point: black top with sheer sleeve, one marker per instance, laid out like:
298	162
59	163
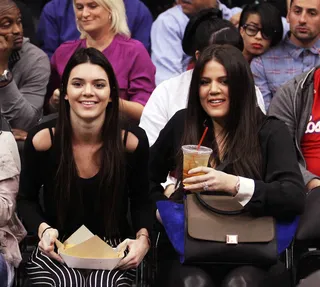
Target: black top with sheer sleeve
280	193
40	169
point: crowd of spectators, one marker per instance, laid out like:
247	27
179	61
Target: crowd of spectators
124	79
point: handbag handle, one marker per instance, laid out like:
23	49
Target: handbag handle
220	167
215	210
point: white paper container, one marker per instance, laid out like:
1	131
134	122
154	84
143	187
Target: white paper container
89	251
90	263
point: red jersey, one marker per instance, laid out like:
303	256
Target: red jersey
310	142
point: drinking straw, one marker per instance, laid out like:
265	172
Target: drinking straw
202	138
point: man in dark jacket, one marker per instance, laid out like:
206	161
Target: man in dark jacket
297	103
24	73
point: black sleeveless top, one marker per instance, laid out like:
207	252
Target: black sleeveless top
40	169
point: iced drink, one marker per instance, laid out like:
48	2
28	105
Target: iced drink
193	158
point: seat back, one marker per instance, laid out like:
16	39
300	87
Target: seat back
306	247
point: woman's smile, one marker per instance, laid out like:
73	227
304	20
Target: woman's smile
88	104
216	102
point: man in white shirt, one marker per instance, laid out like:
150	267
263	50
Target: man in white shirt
167	32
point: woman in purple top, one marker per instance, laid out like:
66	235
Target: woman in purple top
103	25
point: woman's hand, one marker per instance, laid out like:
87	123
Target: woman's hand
47	239
138	249
55	99
211	180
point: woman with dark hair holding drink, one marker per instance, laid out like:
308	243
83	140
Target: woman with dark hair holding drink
261	169
89	165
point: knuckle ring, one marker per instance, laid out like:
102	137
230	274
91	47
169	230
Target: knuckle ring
205	186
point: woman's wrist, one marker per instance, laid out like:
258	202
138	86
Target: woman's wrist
42	227
44	231
145	238
143	234
233	184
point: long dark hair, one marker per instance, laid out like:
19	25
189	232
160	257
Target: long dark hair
241	147
199	29
228	35
111	153
204	29
270	20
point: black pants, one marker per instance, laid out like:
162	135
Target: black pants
171	273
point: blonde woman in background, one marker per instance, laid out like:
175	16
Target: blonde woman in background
103	26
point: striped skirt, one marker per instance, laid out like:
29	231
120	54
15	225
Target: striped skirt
43	271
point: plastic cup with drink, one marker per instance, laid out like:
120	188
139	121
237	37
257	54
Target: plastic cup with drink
194	156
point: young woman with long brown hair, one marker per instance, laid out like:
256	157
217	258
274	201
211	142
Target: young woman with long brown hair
260	165
90	166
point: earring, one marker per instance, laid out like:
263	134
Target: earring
109	16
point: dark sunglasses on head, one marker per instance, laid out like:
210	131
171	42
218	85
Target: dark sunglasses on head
252	30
